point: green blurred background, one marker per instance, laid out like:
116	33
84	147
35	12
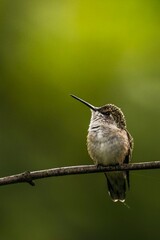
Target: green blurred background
104	52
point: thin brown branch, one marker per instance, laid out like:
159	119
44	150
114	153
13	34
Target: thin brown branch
72	170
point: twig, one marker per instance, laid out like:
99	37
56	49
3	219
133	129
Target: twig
71	170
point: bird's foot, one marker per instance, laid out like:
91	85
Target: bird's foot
99	166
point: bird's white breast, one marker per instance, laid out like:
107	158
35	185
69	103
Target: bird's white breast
107	146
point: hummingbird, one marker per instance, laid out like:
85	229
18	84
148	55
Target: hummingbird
110	143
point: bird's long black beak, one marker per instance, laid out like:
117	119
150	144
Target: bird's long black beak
84	102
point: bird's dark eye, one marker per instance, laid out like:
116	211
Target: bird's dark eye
106	113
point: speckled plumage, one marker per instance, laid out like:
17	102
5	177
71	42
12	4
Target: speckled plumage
109	143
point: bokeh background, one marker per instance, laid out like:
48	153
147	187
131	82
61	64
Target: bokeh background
104	52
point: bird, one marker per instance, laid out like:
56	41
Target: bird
109	143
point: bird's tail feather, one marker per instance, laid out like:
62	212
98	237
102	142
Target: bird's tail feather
116	182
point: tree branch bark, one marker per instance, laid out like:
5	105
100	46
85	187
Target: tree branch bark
72	170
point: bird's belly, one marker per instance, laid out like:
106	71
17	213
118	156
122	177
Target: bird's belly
106	150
